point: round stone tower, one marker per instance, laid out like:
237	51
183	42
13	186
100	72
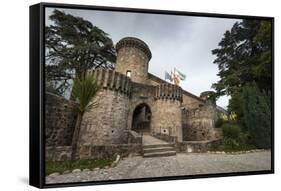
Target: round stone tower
133	56
105	123
167	114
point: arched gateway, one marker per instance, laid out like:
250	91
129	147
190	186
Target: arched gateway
141	118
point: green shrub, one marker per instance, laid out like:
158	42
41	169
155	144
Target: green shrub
244	137
231	131
219	123
231	142
232	145
234	139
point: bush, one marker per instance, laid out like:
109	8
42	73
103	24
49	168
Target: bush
232	145
234	138
231	131
219	123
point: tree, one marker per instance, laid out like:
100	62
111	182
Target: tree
73	46
263	68
244	61
257	115
50	87
235	105
83	91
244	56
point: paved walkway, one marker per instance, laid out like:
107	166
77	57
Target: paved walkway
181	164
150	140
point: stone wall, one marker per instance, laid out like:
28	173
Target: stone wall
190	101
154	80
198	124
60	119
134	137
58	153
197	146
165	137
109	151
63	153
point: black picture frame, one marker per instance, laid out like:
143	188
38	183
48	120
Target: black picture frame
37	97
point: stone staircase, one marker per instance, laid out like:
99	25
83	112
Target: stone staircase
159	150
153	147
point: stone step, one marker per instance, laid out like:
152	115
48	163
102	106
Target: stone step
160	154
159	145
158	149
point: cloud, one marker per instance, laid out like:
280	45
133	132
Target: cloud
184	42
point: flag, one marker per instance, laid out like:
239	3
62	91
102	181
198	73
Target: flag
179	74
168	76
175	79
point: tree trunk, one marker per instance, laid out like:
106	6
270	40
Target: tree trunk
76	135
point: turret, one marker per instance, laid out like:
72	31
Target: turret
208	96
105	122
133	56
167	118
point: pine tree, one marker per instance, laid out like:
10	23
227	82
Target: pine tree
244	56
73	46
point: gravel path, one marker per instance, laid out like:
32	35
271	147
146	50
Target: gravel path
181	164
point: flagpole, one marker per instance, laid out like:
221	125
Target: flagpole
174	76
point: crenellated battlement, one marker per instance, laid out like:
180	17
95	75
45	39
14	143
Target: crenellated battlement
109	79
134	43
168	91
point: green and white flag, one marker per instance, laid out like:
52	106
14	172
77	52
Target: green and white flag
180	75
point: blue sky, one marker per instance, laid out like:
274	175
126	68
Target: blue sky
184	42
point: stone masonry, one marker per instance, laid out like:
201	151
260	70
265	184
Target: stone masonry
133	56
199	124
167	121
60	120
132	101
173	114
106	122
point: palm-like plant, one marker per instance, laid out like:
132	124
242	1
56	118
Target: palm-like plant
83	91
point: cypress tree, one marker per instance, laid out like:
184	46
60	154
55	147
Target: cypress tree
257	115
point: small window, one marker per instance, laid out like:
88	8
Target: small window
128	73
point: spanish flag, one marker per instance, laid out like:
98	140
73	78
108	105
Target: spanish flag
175	79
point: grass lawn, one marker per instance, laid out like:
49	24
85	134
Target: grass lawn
61	166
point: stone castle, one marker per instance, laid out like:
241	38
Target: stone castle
131	103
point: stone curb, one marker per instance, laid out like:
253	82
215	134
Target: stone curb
116	161
237	152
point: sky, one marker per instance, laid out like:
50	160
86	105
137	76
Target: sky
182	42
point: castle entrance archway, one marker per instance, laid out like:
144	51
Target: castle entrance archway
141	118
